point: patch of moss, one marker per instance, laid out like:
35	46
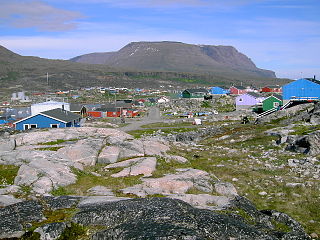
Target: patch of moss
8	174
73	232
48	149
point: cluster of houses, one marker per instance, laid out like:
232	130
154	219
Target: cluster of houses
52	114
267	98
55	114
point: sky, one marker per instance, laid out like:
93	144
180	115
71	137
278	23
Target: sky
279	35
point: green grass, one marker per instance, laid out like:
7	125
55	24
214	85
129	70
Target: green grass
7	174
48	149
304	130
58	141
142	132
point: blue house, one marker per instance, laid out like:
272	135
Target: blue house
304	89
219	90
55	118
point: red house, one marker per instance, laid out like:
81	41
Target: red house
274	89
113	112
237	90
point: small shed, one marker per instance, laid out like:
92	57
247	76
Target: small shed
55	118
274	101
194	93
219	91
245	101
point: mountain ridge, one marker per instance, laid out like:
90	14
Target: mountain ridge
178	57
30	73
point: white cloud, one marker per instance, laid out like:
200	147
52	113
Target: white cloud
37	14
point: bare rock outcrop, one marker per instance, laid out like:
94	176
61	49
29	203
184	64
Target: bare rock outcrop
133	167
178	183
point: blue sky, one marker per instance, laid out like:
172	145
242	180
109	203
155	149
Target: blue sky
280	35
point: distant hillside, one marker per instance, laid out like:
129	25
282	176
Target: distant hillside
179	57
29	73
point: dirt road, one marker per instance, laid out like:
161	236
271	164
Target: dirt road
152	116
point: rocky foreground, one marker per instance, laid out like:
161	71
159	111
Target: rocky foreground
144	218
186	203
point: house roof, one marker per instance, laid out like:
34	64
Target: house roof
312	80
277	96
57	114
272	86
253	94
197	90
239	87
75	107
119	104
106	109
60	114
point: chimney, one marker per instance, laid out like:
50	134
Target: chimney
62	106
314	77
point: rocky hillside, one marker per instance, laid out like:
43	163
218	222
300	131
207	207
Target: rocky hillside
178	57
100	183
222	180
29	73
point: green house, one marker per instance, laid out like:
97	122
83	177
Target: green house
274	101
194	93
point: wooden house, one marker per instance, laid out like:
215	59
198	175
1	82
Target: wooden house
272	89
195	93
55	118
304	89
219	91
274	101
247	100
237	90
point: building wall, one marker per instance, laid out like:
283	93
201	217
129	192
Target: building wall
246	100
186	94
301	88
45	106
237	91
218	90
41	121
268	103
95	114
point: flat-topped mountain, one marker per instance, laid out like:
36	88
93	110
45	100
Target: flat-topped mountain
178	57
140	64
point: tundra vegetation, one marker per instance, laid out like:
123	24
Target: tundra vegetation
244	154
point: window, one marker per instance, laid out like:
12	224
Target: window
54	125
33	125
276	104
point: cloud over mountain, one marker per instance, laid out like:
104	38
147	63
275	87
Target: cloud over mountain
37	14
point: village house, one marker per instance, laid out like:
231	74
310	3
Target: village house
247	100
272	89
45	106
195	93
54	118
78	109
219	91
237	90
274	101
304	89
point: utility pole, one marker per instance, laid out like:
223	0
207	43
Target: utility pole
48	79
